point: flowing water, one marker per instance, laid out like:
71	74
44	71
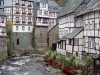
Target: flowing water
24	65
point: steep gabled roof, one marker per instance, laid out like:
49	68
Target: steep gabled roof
2	13
52	3
69	7
53	6
75	32
93	5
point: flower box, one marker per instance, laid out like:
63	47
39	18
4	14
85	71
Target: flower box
29	13
17	4
29	5
17	21
23	4
29	22
17	12
23	13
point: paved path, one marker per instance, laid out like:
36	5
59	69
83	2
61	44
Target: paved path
23	65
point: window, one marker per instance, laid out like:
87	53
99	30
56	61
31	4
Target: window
46	13
17	9
40	12
29	19
17	41
17	18
28	28
29	10
45	21
38	4
70	42
55	8
23	10
76	42
89	42
93	43
17	28
44	5
23	28
23	19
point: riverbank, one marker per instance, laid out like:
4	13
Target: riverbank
27	64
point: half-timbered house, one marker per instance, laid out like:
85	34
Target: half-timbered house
21	14
42	22
70	37
53	26
3	36
89	19
53	11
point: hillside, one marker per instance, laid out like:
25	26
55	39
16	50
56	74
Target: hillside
61	2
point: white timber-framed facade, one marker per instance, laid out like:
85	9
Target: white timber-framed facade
20	12
70	36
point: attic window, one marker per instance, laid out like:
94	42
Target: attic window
55	8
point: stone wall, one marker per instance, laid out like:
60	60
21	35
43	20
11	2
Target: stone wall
53	35
41	37
3	47
22	40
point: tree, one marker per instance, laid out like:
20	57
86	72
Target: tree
9	33
33	39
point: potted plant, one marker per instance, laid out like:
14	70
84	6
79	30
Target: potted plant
89	62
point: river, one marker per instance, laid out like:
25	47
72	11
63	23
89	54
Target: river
24	65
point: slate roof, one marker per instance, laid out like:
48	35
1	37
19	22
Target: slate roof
41	1
53	6
75	32
52	3
93	5
2	13
69	7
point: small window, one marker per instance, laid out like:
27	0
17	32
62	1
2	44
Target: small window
70	42
17	28
23	28
17	41
23	10
17	9
77	54
28	28
76	42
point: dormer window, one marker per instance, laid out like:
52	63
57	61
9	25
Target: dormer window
38	4
55	8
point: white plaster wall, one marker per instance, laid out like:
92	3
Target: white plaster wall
20	29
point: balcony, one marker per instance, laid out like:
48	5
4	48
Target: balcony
29	13
23	12
17	12
29	22
30	5
17	3
23	4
